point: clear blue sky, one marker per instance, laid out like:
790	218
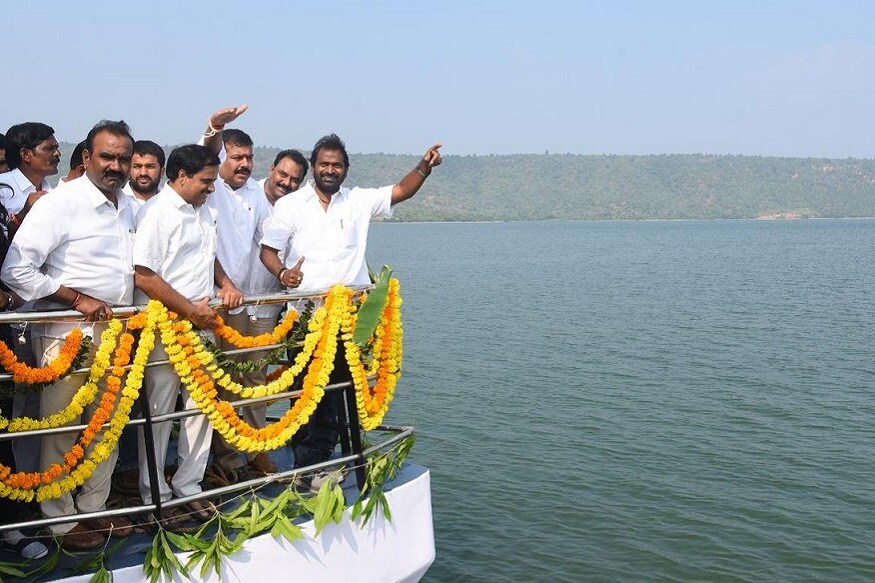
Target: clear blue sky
614	77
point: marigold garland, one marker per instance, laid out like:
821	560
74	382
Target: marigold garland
385	360
197	368
83	397
232	336
78	466
188	356
22	373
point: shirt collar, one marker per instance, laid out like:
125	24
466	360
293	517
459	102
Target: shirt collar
21	180
175	197
310	192
97	198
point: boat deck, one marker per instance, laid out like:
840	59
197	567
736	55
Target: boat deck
349	544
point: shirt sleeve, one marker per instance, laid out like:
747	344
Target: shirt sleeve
378	201
280	228
262	221
150	244
38	236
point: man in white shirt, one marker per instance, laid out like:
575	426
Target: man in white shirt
147	165
285	176
32	154
242	212
324	227
175	262
74	250
77	167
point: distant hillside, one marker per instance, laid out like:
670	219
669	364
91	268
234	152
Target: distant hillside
671	186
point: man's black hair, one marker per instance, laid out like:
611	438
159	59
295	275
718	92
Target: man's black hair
295	156
190	159
150	148
27	135
116	128
329	142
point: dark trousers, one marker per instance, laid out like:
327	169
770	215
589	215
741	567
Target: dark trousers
315	442
10	510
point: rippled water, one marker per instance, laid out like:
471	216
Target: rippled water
642	401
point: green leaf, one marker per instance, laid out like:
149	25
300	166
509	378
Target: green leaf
253	518
179	541
339	504
171	558
196	543
385	503
8	569
100	576
372	308
356	509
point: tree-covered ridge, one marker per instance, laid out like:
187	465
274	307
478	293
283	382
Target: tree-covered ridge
545	187
587	187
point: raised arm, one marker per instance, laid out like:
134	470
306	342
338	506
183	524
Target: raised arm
217	122
414	180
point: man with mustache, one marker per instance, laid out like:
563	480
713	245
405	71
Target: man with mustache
175	263
324	226
285	175
147	165
75	251
242	211
32	154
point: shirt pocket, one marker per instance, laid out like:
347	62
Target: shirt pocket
347	233
210	240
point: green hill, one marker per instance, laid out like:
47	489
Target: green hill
578	187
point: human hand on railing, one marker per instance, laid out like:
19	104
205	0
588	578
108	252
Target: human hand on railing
202	316
231	296
93	309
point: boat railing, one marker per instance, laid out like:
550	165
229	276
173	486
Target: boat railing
353	453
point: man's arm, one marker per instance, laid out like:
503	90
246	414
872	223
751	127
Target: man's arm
229	294
92	308
414	180
198	313
217	122
289	277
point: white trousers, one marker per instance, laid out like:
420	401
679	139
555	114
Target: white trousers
193	449
226	455
94	492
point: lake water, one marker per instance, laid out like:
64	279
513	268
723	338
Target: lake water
672	401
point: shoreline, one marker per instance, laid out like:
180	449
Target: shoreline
758	219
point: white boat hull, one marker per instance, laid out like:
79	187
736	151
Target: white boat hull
381	552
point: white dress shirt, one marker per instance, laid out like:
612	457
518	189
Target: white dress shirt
241	215
262	281
178	242
21	189
73	236
137	203
332	241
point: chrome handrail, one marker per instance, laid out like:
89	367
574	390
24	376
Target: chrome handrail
401	432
